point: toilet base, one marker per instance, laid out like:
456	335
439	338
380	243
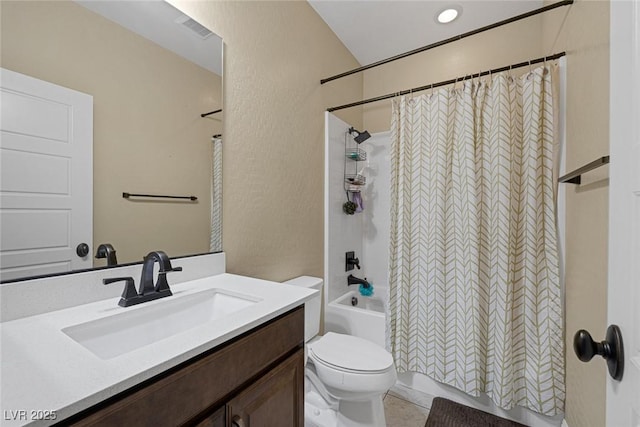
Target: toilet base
367	413
319	417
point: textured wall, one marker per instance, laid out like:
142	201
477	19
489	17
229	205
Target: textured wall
275	54
148	135
584	34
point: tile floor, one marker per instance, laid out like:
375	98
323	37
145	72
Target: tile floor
405	407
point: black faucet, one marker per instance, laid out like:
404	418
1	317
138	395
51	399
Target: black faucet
353	280
106	250
148	291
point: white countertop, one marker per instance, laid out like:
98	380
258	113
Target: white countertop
44	371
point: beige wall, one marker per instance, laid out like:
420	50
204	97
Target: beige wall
499	47
583	32
148	135
585	37
275	55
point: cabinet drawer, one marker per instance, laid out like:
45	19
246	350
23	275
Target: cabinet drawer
198	385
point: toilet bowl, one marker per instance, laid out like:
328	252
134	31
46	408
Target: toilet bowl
345	376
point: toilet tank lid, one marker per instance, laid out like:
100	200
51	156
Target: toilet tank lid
350	352
306	282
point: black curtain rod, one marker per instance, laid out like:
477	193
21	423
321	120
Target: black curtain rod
448	82
449	40
210	113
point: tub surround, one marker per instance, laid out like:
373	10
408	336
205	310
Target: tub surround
365	233
44	369
343	233
365	320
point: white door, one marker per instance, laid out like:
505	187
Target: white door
46	177
623	397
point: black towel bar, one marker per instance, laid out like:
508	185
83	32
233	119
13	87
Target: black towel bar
127	195
574	177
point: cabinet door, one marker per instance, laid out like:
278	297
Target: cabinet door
277	399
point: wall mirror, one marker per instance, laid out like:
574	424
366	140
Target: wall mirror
150	72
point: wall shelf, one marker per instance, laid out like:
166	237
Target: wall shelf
575	176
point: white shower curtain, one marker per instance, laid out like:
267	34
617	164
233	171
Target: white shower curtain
215	241
474	282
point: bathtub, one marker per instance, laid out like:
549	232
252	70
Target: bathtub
366	319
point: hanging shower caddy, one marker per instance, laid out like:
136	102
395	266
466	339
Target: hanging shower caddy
354	181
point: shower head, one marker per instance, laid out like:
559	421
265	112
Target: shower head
359	137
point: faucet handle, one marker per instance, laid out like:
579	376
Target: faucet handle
129	290
162	285
351	261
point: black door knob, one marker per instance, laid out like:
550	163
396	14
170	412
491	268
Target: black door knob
82	250
611	349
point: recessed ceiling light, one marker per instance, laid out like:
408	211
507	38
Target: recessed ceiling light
448	15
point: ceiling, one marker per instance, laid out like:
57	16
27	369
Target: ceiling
158	21
373	30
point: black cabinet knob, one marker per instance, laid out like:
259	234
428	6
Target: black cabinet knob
611	349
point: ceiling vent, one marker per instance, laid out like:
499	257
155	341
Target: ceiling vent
195	27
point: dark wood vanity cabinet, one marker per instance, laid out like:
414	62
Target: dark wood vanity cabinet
255	380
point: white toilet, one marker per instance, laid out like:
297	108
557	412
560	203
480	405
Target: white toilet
345	376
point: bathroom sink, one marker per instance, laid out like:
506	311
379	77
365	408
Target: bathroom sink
132	329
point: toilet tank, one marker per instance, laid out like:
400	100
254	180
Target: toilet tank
311	307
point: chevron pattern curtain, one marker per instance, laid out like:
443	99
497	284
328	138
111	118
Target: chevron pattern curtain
474	277
215	239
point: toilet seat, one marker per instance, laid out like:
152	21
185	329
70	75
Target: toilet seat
350	354
351	367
